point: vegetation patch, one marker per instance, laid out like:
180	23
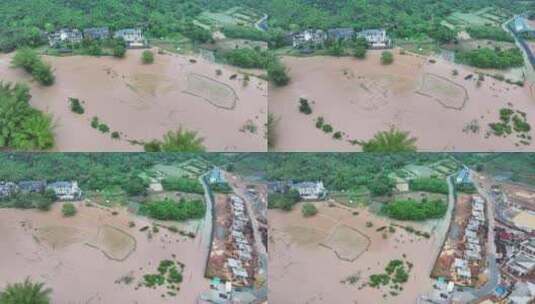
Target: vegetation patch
304	106
30	61
169	274
396	273
168	209
412	210
512	122
182	184
284	201
76	105
487	58
430	184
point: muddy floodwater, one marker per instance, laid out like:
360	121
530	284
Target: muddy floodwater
84	258
421	95
143	102
322	251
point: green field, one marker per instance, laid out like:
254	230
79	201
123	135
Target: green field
486	16
233	16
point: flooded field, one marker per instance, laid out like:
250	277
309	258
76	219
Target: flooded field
445	112
143	102
333	254
97	250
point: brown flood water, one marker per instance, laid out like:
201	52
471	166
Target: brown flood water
143	102
298	253
362	97
65	254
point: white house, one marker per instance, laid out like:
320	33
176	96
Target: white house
66	191
133	37
310	190
376	38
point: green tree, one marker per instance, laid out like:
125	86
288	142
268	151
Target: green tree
387	57
278	74
390	141
309	210
147	57
271	126
135	185
26	292
68	210
360	52
119	51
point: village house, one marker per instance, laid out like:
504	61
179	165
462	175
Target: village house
341	34
402	185
64	36
66	191
310	190
521	265
309	38
463	177
523	293
376	38
528	246
7	189
521	25
133	37
32	186
278	187
216	176
97	33
462	270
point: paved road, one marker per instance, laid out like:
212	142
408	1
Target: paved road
442	228
206	227
529	69
257	24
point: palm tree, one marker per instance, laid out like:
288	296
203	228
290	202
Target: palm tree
25	293
392	140
182	141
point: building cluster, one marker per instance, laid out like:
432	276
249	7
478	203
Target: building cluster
471	258
241	258
307	190
133	37
64	190
376	38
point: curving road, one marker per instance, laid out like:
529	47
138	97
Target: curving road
206	226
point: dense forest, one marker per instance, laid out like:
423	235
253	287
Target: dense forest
23	21
346	171
96	171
